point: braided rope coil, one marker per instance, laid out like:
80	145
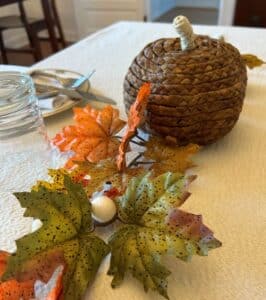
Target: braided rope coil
196	95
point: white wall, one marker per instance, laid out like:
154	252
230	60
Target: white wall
17	38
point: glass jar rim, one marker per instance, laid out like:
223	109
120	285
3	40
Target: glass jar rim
19	111
22	81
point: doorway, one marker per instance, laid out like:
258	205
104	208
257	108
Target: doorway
198	11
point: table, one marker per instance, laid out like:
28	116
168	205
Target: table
230	191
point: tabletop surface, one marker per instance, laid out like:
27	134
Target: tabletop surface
230	191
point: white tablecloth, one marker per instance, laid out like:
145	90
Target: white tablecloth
230	191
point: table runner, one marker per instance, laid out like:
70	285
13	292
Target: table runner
230	191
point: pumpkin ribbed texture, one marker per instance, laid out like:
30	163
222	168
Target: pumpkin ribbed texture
196	95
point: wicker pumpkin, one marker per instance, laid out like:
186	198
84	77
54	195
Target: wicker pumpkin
198	86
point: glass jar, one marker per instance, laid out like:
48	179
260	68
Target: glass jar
25	153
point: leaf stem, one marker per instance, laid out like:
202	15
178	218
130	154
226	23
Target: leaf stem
133	162
144	162
137	143
132	141
140	138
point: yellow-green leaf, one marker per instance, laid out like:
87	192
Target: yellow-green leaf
154	226
169	158
57	182
106	170
66	228
252	61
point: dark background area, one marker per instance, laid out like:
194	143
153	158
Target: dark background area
251	13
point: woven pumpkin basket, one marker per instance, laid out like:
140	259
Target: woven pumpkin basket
198	86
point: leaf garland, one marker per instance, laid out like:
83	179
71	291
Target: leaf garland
93	136
99	173
252	61
137	247
148	206
104	171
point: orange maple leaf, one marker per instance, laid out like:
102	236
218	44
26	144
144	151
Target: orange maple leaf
12	289
136	117
16	290
92	138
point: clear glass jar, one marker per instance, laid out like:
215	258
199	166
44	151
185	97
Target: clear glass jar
25	153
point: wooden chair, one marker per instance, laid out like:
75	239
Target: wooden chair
32	27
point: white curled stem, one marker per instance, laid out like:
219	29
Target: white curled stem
185	31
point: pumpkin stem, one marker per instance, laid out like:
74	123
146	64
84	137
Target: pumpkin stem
184	29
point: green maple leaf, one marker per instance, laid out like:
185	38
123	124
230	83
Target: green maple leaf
155	227
67	229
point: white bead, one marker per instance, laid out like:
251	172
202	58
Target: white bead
103	209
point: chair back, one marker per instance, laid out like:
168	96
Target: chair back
8	2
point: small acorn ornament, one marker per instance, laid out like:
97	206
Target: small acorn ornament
198	86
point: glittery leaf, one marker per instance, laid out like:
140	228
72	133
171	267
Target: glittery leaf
168	157
147	207
252	61
66	229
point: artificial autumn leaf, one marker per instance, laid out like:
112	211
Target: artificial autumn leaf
252	61
138	246
99	173
53	288
12	289
57	182
58	177
167	157
66	232
15	290
105	170
136	117
93	136
190	226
